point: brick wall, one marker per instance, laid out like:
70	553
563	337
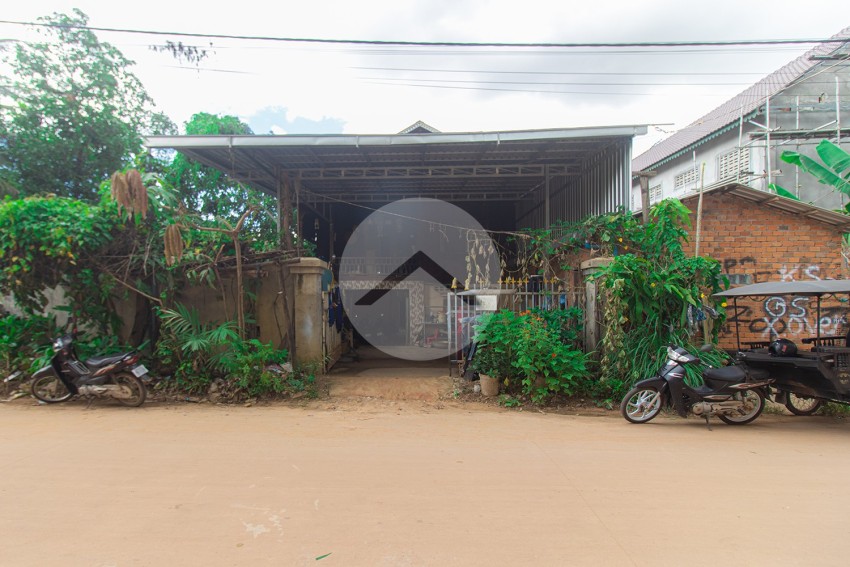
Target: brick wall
757	243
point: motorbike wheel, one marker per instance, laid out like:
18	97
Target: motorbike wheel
802	405
134	385
641	405
50	389
753	396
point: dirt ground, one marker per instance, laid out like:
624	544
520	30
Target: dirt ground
365	481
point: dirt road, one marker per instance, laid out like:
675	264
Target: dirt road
388	483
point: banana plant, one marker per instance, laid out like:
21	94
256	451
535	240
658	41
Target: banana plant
834	171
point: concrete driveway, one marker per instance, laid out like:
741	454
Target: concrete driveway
414	483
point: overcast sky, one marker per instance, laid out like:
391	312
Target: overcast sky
301	88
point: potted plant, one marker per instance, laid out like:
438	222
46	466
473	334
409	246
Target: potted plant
489	366
492	359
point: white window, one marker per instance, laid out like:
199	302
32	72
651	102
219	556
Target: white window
685	179
655	194
734	164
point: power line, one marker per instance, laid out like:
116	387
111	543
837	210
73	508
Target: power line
717	43
505	72
551	83
609	93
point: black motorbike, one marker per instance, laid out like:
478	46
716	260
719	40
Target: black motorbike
119	376
729	392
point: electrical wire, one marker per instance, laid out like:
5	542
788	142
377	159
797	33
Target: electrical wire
524	72
399	43
550	91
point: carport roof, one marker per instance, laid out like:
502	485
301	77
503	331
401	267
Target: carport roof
453	166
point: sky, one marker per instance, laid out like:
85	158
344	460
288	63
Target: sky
297	88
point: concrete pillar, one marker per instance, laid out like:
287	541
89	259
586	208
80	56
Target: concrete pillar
592	329
309	307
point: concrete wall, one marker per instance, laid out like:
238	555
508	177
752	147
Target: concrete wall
288	302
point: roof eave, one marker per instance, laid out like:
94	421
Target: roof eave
357	140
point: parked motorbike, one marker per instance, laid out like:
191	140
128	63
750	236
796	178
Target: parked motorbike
729	393
119	376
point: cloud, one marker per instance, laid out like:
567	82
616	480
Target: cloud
279	120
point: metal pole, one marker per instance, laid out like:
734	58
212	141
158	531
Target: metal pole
737	330
797	169
767	150
818	325
838	112
298	214
548	221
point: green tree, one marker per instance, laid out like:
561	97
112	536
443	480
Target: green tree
210	193
78	112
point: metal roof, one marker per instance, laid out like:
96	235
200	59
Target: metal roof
814	287
727	115
452	166
839	221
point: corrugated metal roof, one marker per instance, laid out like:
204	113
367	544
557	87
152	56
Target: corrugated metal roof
746	103
839	221
505	164
822	287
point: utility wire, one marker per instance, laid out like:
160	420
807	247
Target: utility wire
549	91
551	83
737	42
503	72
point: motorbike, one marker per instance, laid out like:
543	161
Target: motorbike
731	393
119	376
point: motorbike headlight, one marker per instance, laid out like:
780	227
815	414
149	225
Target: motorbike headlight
57	345
675	356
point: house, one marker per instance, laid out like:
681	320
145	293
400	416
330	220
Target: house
741	141
505	180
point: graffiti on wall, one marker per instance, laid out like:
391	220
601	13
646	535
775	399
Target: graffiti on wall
785	316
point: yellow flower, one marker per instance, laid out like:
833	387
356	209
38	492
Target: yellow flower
652	284
620	239
724	304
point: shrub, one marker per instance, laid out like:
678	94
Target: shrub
529	350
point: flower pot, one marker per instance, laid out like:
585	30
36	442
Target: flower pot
489	385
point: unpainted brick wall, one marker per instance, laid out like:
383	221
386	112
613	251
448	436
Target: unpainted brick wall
757	243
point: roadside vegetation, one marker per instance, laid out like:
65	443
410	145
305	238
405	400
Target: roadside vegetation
653	295
88	211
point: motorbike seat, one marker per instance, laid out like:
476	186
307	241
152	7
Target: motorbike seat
101	361
724	374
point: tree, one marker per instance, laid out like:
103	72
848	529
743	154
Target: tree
78	112
213	195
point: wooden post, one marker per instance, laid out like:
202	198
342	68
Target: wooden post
699	210
643	177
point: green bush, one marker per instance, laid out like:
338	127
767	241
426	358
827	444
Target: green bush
199	354
529	350
25	342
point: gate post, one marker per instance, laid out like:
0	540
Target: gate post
592	328
309	310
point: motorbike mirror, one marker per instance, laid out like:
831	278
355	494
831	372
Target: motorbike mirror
707	347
